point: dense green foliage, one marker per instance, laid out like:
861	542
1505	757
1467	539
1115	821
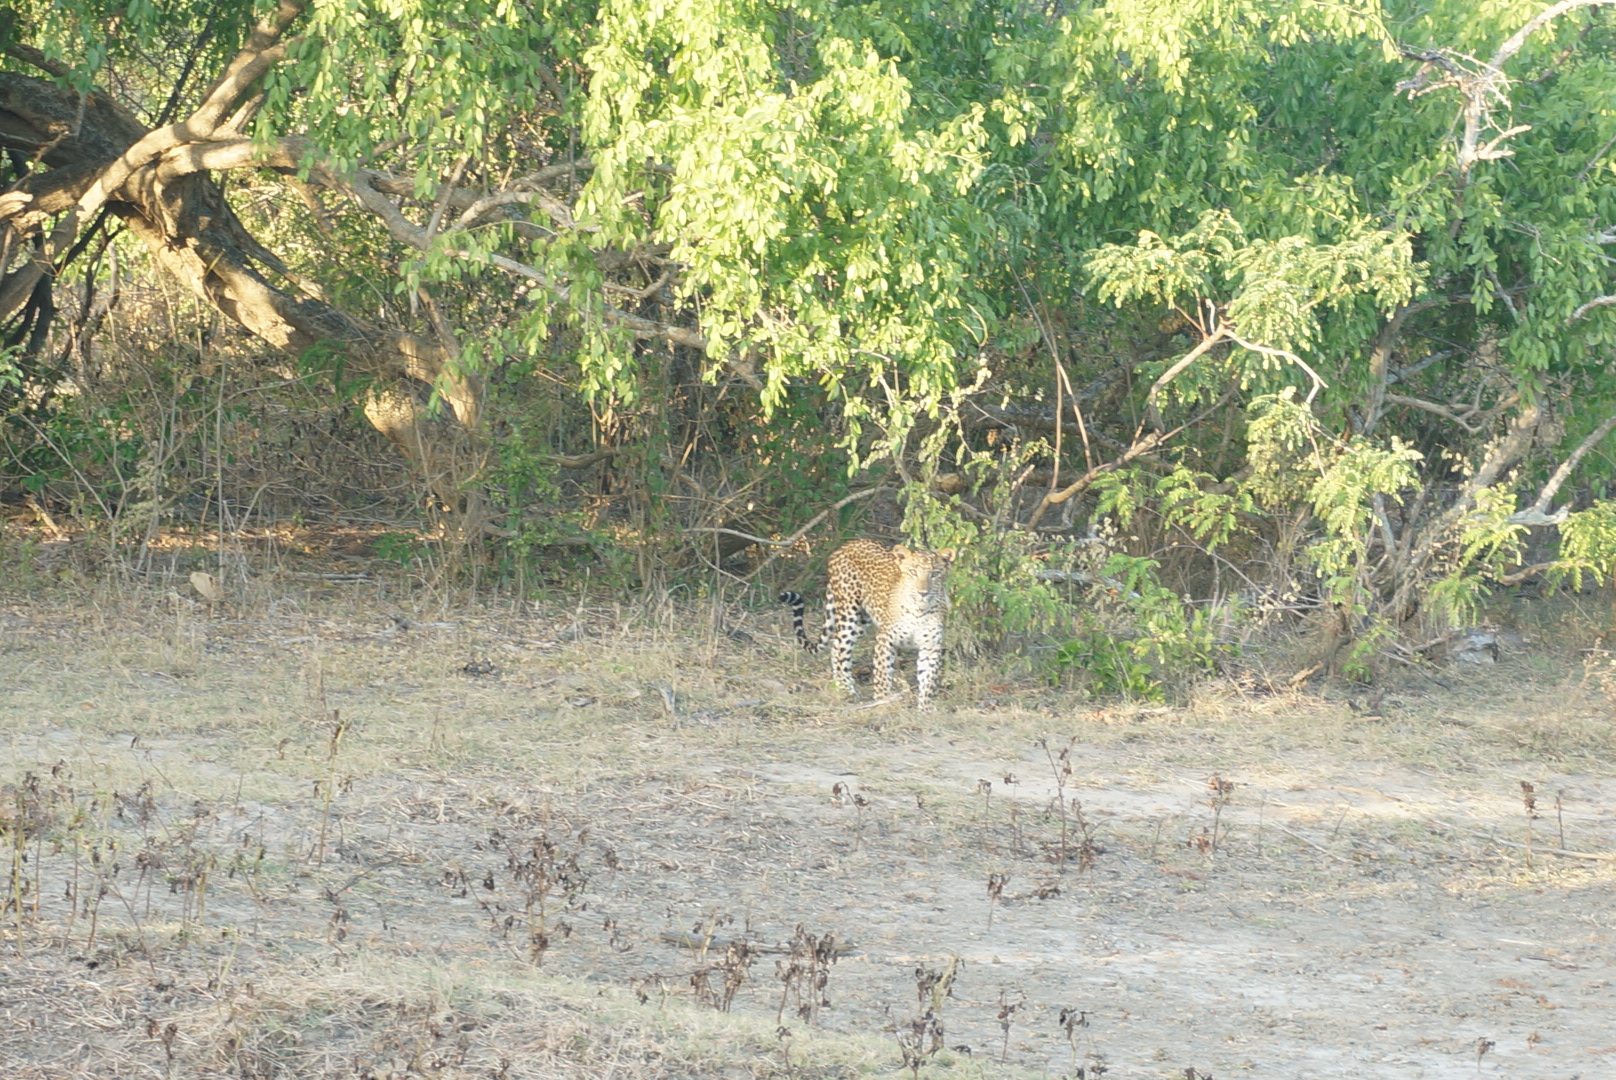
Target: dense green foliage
1262	297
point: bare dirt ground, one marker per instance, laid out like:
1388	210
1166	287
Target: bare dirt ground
295	836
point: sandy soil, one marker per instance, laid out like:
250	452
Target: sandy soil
1361	902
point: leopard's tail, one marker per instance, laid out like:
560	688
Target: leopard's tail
798	604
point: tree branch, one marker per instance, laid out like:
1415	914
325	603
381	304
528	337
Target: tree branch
1432	407
1221	334
1318	383
1596	302
368	189
1380	373
1055	498
1486	81
1513	44
1510	449
412	235
1139	448
1538	512
263	50
791	541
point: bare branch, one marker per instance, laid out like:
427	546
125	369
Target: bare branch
1055	498
443	198
262	51
414	236
792	540
555	208
459	200
223	155
368	190
1483	82
1586	169
1221	334
1596	302
1504	454
1439	410
1492	151
1380	373
1140	447
1403	374
1318	383
37	58
1541	506
1515	577
523	190
1513	45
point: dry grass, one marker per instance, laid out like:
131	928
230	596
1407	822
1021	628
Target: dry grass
325	828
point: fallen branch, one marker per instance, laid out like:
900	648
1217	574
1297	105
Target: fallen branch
1510	843
1310	843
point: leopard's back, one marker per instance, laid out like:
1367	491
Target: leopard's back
867	574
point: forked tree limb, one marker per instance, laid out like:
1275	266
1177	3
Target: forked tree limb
101	158
369	190
1286	354
1485	83
1141	445
1144	444
1417	552
1223	332
1380	374
263	50
365	192
1434	408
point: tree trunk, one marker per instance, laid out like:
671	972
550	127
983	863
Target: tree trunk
91	157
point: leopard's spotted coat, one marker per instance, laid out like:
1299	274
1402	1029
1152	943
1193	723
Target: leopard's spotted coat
903	592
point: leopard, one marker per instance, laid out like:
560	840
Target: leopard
904	593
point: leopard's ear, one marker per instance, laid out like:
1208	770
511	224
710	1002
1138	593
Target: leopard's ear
946	555
900	551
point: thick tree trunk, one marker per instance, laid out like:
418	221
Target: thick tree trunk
89	156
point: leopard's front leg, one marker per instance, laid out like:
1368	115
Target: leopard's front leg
884	660
926	667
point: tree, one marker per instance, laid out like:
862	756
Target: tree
1233	264
319	94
